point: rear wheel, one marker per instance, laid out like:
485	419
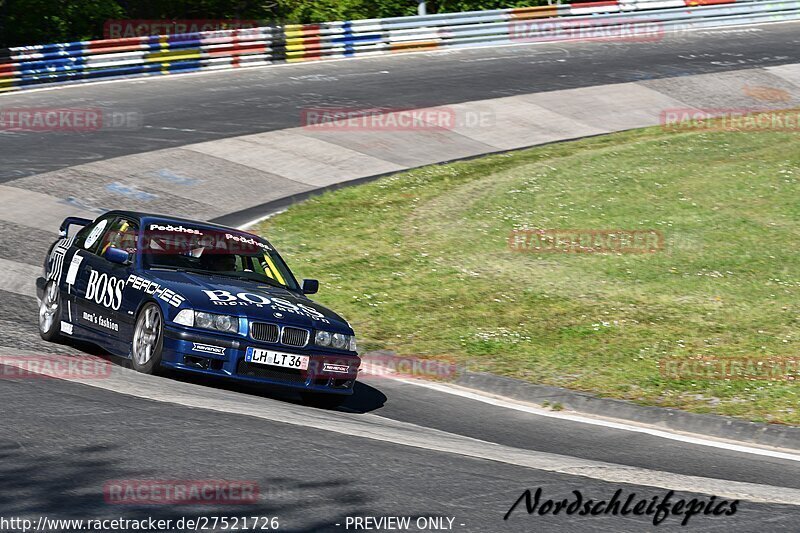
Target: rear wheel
322	400
148	340
50	313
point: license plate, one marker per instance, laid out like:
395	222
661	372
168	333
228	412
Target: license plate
268	357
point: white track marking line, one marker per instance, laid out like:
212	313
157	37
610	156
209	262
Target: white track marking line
368	426
688	439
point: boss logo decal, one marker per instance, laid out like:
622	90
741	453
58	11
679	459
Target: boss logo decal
221	297
105	290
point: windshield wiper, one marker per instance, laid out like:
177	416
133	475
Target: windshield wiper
240	275
178	269
236	275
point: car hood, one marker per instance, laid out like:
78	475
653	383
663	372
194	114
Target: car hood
218	294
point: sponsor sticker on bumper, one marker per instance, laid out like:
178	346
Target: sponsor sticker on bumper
337	369
207	348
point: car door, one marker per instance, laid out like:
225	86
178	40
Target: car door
100	284
124	236
76	278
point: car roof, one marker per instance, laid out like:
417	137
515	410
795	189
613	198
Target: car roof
146	218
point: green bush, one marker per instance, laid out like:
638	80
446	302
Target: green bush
449	6
25	22
306	11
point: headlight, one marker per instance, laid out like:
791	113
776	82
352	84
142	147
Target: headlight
226	323
204	320
197	319
323	338
340	341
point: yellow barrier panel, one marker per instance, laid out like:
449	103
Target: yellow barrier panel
174	55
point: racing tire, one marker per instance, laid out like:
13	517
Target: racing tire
148	339
322	400
50	313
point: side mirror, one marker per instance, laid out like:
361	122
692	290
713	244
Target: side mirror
310	286
115	255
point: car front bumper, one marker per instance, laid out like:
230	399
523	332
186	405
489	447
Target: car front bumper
224	358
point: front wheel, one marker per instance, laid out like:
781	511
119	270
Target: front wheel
322	400
148	340
50	313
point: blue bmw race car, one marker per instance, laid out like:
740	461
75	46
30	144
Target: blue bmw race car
196	297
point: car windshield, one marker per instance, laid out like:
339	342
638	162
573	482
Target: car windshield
225	253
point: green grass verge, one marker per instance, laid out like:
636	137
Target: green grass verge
419	263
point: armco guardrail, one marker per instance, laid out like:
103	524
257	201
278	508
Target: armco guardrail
27	66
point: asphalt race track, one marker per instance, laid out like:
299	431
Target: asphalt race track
395	448
204	107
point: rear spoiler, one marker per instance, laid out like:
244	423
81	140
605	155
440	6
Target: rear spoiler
72	221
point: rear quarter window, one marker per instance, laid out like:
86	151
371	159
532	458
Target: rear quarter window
89	237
